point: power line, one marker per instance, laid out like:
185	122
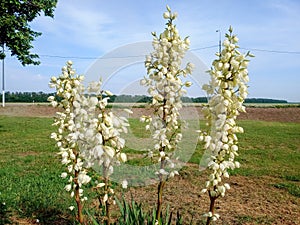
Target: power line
194	49
66	57
202	48
113	57
90	57
271	51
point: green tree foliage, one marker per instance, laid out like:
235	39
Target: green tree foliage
264	100
16	34
27	96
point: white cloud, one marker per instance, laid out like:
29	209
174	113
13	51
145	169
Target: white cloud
75	24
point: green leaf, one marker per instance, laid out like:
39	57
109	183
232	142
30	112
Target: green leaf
168	8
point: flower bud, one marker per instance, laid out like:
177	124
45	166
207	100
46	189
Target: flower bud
226	43
188	84
235	39
100	185
166	15
105	198
227	186
108	93
68	187
123	157
124	184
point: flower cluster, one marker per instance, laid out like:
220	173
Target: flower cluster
68	86
99	130
88	134
227	90
166	88
99	135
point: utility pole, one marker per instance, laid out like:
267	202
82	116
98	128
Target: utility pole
3	87
220	46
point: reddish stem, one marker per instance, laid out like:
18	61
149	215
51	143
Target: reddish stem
211	208
77	199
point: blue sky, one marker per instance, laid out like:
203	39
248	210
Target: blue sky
98	36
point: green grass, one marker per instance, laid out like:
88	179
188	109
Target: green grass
31	186
270	149
30	180
292	188
266	149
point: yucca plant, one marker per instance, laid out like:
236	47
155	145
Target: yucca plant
134	214
131	213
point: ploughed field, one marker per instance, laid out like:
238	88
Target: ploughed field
280	114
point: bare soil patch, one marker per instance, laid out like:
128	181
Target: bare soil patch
290	114
249	201
28	110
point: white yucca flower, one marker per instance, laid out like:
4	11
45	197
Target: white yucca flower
165	85
88	134
227	91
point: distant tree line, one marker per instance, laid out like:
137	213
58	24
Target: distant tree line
264	100
42	97
26	96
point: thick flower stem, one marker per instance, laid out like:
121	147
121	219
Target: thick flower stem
106	191
160	188
211	208
107	207
78	202
159	198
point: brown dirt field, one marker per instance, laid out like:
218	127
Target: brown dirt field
291	114
272	114
251	200
27	110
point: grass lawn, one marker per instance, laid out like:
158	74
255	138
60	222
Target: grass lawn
31	187
30	182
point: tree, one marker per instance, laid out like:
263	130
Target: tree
16	34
